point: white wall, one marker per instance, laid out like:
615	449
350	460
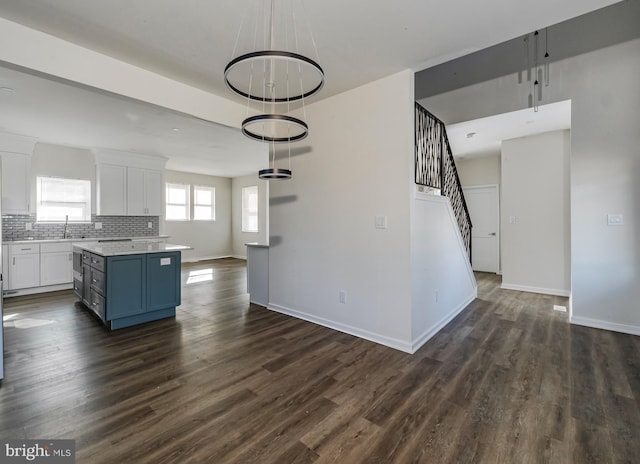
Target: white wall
535	191
239	238
605	171
442	282
357	163
479	171
210	239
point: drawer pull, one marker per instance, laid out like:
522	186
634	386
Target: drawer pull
93	281
94	304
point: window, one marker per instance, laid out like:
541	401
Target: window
59	200
204	202
250	209
177	202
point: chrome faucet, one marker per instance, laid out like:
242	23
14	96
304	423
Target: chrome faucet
65	234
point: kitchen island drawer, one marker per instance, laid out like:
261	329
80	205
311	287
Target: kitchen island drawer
96	304
97	281
97	262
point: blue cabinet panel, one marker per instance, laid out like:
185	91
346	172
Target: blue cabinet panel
126	282
163	280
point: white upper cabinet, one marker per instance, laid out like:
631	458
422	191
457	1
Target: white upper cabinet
111	190
15	183
15	152
129	184
144	192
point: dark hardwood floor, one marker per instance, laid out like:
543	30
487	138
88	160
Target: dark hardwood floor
508	381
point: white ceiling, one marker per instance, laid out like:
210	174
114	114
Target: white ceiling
358	41
483	137
63	114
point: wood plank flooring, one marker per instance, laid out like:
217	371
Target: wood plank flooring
507	381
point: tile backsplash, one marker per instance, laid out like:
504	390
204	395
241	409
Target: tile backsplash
14	227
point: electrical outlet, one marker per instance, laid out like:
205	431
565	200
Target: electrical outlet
615	219
97	225
343	296
28	226
150	225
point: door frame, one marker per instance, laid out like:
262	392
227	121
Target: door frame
496	187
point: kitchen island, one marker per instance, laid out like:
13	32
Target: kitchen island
125	283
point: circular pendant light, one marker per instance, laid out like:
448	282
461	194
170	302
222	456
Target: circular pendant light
276	128
274	174
286	68
271	74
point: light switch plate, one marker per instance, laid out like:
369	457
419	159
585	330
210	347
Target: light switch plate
381	222
615	220
512	219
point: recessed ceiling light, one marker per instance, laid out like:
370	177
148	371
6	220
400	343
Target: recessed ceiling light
7	89
530	121
470	134
175	129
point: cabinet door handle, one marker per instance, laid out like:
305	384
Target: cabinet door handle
93	281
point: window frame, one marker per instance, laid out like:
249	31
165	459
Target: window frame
187	204
87	207
212	206
246	214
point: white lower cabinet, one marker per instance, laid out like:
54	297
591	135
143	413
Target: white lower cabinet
56	263
24	266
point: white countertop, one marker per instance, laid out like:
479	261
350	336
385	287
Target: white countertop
78	239
134	247
257	245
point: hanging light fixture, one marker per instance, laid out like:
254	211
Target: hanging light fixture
536	74
275	78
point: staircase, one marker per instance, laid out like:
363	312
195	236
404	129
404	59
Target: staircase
436	169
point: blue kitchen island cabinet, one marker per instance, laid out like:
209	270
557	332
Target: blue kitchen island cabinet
131	284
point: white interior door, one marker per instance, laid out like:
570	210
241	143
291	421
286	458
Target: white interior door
484	206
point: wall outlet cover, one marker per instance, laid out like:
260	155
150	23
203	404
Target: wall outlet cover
560	308
615	219
98	225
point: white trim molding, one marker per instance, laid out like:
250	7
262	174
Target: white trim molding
426	336
371	336
544	291
605	325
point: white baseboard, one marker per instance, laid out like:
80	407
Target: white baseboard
430	332
544	291
599	324
204	258
371	336
34	290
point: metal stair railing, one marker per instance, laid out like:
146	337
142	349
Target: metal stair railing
436	168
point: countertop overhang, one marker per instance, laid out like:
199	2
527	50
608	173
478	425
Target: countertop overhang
133	247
